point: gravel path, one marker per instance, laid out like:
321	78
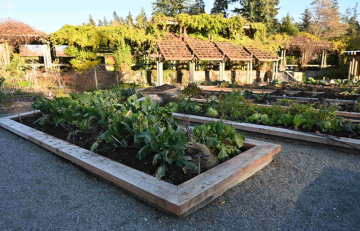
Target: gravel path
305	188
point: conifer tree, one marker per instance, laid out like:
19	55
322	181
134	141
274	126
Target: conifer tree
305	20
171	8
141	20
287	26
116	17
105	22
351	17
220	7
197	8
264	11
91	21
129	20
100	23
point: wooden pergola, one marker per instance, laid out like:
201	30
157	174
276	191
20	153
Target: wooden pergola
184	48
265	56
14	34
235	53
307	48
354	70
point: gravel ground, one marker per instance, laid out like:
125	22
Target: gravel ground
304	188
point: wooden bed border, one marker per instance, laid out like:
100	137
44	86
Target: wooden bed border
178	201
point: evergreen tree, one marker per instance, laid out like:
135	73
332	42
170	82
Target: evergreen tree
141	20
129	20
264	11
305	20
197	8
220	7
288	27
351	17
116	17
171	8
91	21
100	23
122	20
105	22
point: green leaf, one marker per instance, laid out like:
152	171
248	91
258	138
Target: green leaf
94	146
239	140
219	128
41	121
156	158
223	155
161	171
212	142
144	152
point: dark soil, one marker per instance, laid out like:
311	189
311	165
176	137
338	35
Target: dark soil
126	156
162	88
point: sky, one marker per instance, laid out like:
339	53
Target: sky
49	15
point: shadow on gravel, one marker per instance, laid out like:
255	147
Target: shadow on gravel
331	201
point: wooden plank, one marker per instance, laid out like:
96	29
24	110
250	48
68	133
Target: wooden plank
216	181
281	132
162	93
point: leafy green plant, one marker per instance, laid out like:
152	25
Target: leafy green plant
298	120
212	112
285	119
224	85
284	101
220	137
168	145
191	89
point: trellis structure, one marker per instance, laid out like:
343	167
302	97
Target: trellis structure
307	48
14	34
236	53
204	50
183	48
265	56
354	70
171	48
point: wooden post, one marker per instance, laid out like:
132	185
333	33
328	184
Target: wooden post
356	69
160	75
192	71
322	61
251	68
350	69
96	82
117	79
221	71
276	69
248	77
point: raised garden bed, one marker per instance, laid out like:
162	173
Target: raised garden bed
347	114
180	200
281	132
160	90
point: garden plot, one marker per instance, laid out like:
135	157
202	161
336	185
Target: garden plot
178	200
299	121
139	146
